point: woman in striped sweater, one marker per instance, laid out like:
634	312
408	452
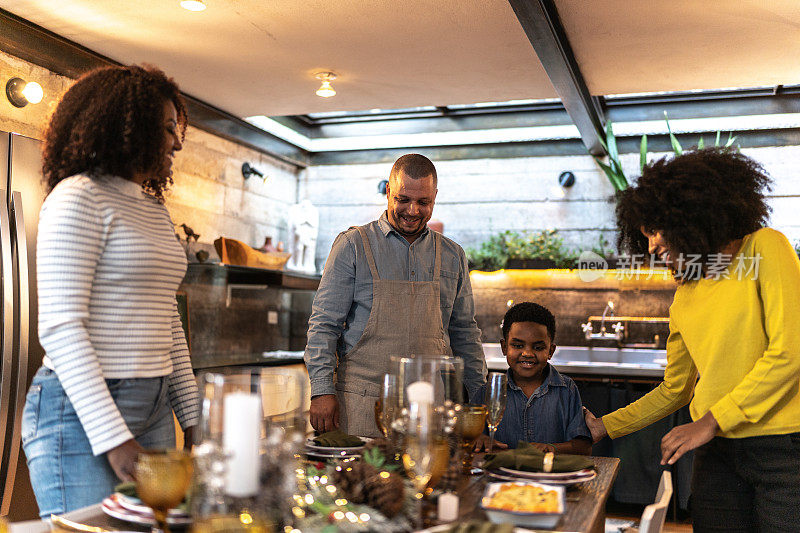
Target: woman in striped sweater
108	266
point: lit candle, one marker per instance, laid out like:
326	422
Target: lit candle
240	440
420	392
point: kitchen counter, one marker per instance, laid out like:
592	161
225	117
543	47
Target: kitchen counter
606	362
275	358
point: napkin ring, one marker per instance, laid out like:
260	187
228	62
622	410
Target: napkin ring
547	463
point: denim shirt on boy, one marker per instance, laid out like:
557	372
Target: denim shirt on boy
553	413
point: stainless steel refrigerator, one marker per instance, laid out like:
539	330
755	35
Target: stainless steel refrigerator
21	192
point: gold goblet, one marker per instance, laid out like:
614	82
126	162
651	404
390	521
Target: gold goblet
162	479
471	422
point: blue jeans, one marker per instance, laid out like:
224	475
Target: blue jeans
64	473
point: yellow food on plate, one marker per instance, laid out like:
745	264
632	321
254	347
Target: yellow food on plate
523	498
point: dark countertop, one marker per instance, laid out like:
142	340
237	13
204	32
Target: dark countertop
259	276
276	358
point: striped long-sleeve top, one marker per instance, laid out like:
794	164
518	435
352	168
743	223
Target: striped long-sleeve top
108	266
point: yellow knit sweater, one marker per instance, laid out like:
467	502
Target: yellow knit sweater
742	336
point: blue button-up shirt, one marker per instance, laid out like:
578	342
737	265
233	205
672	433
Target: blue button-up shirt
344	298
553	413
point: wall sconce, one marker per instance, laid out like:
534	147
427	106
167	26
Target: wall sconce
566	179
21	94
248	170
382	186
326	89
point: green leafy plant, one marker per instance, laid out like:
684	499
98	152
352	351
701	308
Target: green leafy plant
495	253
613	170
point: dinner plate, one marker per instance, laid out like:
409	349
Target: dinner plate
112	507
136	505
559	482
546	475
332	449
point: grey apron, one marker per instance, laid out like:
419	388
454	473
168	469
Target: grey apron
405	319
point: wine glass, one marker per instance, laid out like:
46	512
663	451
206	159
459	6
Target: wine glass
420	448
162	479
495	401
444	373
471	421
387	407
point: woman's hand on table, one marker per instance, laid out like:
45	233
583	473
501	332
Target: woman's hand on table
482	444
595	425
687	437
123	459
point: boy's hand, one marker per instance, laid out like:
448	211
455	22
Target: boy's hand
542	447
596	426
483	444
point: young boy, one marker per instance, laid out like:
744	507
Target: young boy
543	407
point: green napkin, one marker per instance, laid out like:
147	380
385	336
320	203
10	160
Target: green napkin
478	526
526	457
337	439
128	488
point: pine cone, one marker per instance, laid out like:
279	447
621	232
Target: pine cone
351	480
385	493
452	476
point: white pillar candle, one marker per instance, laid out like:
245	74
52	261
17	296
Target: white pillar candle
240	440
448	507
420	392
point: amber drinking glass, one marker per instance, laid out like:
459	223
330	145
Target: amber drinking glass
471	422
162	479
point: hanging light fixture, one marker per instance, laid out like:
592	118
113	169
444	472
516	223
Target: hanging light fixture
21	94
193	5
325	90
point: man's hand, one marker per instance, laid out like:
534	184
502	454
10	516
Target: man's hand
188	438
324	412
687	437
482	443
123	459
596	426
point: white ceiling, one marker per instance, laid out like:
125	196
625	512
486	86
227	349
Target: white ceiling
258	57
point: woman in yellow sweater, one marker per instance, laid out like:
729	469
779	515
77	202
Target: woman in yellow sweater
734	343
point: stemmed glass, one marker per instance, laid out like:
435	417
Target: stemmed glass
387	407
162	479
471	421
420	448
495	401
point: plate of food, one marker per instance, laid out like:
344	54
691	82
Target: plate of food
139	513
524	503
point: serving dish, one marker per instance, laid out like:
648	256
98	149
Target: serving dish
523	518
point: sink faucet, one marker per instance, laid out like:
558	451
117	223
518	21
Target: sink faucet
619	328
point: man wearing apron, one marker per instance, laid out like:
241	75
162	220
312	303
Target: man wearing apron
389	288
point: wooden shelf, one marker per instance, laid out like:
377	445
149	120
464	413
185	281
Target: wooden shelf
258	276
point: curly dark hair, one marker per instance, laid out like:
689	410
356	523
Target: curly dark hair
529	312
110	122
700	201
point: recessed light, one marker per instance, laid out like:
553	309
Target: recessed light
193	5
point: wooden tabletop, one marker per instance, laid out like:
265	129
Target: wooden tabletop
586	502
585	505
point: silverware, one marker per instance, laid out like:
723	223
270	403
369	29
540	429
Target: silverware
75	526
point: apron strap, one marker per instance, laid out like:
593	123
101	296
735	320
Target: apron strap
437	263
368	253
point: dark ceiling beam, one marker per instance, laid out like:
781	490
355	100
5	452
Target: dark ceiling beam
542	25
30	42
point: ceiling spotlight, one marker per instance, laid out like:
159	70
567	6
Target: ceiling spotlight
325	90
21	94
193	5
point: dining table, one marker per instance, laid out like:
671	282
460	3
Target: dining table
585	506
